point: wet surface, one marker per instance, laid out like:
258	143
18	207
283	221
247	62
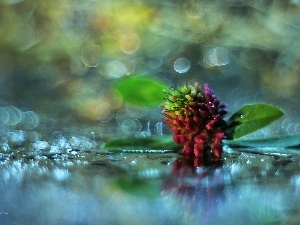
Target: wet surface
59	182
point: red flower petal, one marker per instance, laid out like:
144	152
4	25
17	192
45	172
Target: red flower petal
197	120
217	151
185	138
187	149
198	149
200	138
177	139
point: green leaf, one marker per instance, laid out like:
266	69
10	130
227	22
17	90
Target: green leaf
291	141
164	142
250	118
141	91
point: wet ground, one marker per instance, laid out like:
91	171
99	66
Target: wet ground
73	180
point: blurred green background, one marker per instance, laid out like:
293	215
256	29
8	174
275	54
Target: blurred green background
61	58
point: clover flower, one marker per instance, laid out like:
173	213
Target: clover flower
195	116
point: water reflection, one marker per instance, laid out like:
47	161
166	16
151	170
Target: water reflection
207	193
198	186
101	188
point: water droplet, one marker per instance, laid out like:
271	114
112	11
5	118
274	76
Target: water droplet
60	142
40	145
4	147
182	65
85	144
74	141
90	55
17	137
54	149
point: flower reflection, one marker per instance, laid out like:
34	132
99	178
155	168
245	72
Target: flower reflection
198	185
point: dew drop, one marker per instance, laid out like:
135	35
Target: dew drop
17	137
60	142
4	147
74	141
182	65
54	149
40	145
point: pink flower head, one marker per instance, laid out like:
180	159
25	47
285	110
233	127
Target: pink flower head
195	116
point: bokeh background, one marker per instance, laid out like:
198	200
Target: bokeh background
59	59
59	63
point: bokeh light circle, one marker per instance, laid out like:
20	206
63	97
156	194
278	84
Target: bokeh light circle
182	65
90	55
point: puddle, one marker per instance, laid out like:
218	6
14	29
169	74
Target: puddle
98	187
